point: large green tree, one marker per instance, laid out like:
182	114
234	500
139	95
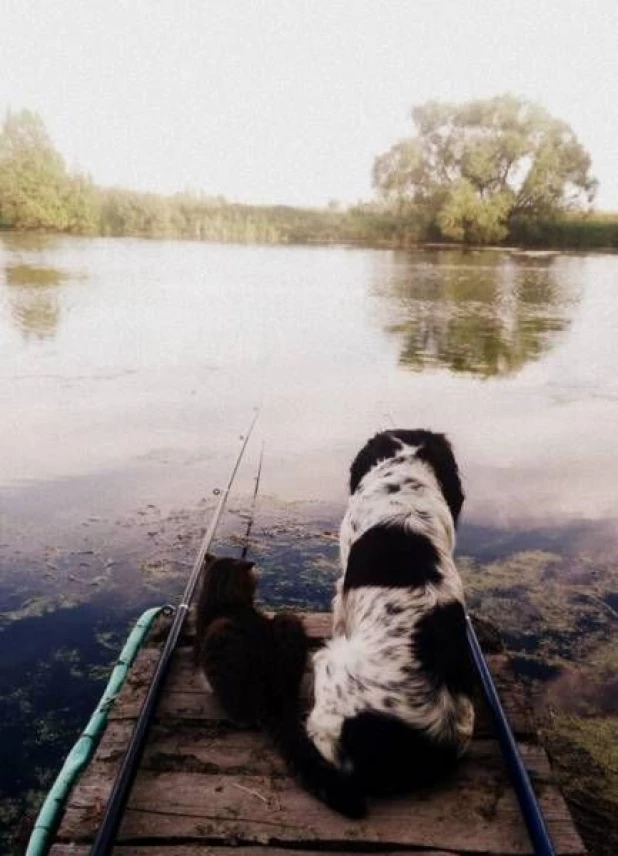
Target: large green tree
472	167
36	190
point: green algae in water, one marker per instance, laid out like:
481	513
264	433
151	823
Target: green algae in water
52	670
584	753
547	606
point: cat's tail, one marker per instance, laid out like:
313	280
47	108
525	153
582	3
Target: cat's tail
332	786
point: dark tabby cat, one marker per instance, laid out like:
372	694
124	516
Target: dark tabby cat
255	666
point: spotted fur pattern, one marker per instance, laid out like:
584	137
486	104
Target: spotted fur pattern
393	685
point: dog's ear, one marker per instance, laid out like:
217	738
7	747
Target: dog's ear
437	452
378	448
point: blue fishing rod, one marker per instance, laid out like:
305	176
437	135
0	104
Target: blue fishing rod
528	803
121	790
535	822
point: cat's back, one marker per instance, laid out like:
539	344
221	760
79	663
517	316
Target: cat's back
238	637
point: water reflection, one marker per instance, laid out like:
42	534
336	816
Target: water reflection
33	299
29	242
133	414
32	293
481	315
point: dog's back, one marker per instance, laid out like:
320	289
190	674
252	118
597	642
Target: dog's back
393	687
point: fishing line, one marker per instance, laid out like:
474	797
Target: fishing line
245	548
121	790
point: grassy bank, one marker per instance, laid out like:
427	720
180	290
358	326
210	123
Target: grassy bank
117	212
126	213
570	231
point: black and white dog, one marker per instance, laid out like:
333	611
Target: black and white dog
392	696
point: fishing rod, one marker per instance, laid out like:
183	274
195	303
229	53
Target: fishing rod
124	780
245	548
528	803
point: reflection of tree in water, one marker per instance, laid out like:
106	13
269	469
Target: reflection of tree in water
33	299
29	242
486	316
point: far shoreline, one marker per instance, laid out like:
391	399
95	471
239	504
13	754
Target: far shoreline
352	243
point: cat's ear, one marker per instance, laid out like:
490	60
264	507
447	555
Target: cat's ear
250	569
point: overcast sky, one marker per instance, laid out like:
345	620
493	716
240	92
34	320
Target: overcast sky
290	100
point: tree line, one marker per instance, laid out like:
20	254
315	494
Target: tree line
496	171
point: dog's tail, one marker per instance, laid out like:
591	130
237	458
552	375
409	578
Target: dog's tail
332	786
389	756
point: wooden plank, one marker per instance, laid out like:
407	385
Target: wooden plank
186	697
226	752
198	748
250	753
472	814
209	850
318	626
205	783
217	748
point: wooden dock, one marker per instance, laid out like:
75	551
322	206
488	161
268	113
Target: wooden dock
205	786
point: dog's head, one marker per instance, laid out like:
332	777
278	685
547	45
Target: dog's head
432	448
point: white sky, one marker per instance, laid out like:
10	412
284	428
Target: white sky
290	100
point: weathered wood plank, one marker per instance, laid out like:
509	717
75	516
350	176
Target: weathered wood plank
225	752
186	697
318	626
209	850
195	747
217	748
205	781
263	810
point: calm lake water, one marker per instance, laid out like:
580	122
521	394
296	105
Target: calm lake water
129	368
